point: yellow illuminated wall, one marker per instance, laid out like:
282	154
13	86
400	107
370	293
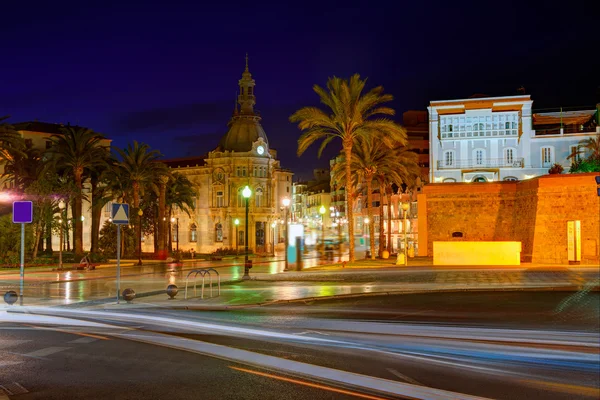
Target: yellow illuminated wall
476	253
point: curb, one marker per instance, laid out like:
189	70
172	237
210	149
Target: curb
371	294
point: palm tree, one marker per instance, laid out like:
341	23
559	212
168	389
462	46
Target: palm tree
181	194
140	167
401	167
590	146
351	114
10	140
77	151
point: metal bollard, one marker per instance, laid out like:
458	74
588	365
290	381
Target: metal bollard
172	291
128	295
11	297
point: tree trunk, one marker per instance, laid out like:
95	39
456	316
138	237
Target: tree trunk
370	213
162	223
49	249
170	235
38	235
389	231
155	233
381	230
349	211
77	213
96	215
40	243
66	225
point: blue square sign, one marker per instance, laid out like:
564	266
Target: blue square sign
22	212
120	213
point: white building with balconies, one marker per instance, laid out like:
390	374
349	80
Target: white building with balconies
501	138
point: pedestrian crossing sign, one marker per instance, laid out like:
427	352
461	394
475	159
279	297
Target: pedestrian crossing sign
120	213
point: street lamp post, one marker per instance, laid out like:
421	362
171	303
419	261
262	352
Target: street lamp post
405	207
273	225
247	192
61	207
286	204
366	223
176	221
322	212
140	213
237	223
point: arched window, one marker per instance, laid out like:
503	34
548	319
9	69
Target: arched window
511	179
449	180
258	197
193	233
218	232
479	178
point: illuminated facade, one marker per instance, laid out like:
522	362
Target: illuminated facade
243	157
502	139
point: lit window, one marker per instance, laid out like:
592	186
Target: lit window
220	199
218	233
193	233
258	198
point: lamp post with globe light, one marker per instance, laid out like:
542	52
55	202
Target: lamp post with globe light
366	223
237	223
405	207
273	225
286	204
247	192
140	213
61	207
322	211
176	221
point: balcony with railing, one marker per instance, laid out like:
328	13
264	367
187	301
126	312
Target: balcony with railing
481	163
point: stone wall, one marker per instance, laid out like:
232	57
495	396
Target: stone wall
534	212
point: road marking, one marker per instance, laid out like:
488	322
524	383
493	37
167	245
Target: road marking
317	332
84	340
6	343
310	384
9	363
13	389
565	388
404	377
46	352
70	332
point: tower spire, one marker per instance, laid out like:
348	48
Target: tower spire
246	98
246	62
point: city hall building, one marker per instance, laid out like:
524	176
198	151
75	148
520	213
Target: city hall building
502	139
243	157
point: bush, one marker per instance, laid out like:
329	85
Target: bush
590	164
225	251
556	168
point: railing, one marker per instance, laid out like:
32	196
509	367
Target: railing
202	272
485	163
474	134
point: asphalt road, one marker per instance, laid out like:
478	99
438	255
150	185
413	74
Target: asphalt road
46	364
519	345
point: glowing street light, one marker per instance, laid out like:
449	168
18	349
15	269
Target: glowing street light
322	211
286	204
237	223
61	207
247	192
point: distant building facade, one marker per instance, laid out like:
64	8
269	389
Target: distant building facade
502	139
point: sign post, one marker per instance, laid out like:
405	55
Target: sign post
22	214
120	216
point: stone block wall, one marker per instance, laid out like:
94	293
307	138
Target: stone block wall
534	212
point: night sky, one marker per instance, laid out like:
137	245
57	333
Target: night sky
166	73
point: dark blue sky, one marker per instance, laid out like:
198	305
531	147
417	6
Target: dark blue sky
166	72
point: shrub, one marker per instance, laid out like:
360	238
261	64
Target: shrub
590	164
556	168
